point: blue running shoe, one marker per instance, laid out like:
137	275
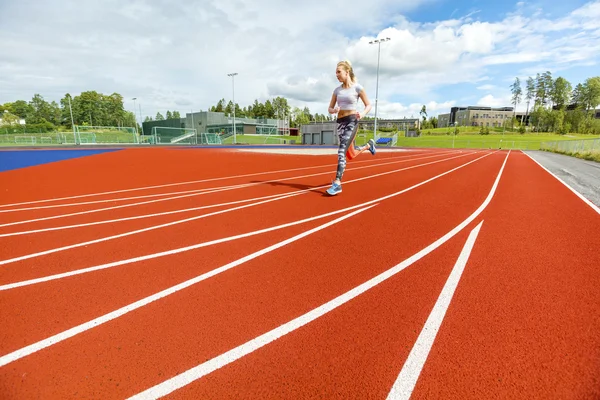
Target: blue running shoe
372	146
334	189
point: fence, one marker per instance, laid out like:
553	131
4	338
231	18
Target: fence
573	146
35	139
483	142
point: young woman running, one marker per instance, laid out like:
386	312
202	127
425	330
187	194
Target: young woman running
346	96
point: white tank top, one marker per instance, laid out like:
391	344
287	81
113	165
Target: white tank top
347	99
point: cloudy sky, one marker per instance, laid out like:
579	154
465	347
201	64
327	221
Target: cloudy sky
175	55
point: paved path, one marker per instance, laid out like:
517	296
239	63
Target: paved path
581	175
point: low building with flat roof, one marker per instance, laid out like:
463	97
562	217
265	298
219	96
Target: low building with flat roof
479	116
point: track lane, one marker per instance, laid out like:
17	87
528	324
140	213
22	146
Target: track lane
410	213
45	186
525	316
179	234
128	205
75	290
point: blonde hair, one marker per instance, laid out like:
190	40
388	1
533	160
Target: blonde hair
348	67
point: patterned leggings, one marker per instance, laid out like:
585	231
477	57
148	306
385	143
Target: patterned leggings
346	130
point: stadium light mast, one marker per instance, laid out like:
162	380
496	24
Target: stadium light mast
232	75
134	113
378	42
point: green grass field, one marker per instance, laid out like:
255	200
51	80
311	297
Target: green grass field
471	139
468	138
492	141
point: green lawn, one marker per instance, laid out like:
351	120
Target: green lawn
492	141
471	139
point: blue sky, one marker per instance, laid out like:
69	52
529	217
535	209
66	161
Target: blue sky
176	55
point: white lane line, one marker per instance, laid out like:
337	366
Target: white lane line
291	194
589	203
195	193
121	199
25	351
407	379
214	190
174	251
171	252
110	221
191	182
197	372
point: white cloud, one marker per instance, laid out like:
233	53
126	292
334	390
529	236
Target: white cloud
396	110
492	101
176	55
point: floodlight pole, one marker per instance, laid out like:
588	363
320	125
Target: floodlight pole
141	119
72	121
232	75
378	41
134	115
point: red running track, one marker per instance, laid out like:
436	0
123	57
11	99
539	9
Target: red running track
522	321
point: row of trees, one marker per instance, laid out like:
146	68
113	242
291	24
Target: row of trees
552	105
277	108
556	105
169	114
89	108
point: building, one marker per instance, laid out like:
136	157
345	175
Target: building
218	122
479	116
325	133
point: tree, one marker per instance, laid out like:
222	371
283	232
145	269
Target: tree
516	91
7	118
269	110
39	111
159	117
543	85
299	117
434	122
548	82
86	108
220	106
229	109
423	113
129	119
306	112
66	109
258	109
55	116
176	115
530	85
169	115
239	112
280	107
561	92
591	93
20	108
113	111
577	95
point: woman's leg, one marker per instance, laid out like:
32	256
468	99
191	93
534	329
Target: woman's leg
353	150
346	134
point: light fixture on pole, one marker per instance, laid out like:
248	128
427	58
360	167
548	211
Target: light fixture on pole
232	75
378	42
